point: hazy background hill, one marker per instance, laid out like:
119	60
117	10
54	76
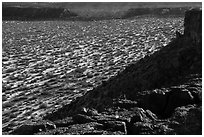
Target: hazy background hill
100	9
103	5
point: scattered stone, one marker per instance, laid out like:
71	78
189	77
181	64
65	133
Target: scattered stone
79	118
89	112
13	115
29	129
7	104
140	128
178	34
139	116
9	70
20	98
32	127
125	104
177	98
50	125
115	126
64	122
4	98
43	105
77	129
188	120
151	115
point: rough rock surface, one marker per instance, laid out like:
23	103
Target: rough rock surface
159	94
193	26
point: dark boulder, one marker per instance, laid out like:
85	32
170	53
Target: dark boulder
176	98
156	102
189	120
31	128
163	104
139	128
115	126
124	103
79	118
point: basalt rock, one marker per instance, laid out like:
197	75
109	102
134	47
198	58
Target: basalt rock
193	27
125	103
115	126
188	119
79	118
31	128
163	104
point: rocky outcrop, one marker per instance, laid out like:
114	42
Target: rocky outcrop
187	120
193	27
163	103
33	127
159	94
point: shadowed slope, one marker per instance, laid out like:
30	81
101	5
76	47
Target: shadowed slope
165	68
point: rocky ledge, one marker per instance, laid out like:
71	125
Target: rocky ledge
159	94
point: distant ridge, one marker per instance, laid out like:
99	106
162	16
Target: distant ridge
91	10
102	5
